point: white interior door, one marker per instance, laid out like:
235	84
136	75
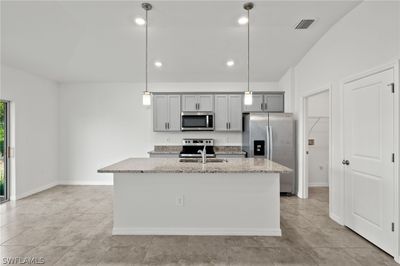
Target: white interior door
368	148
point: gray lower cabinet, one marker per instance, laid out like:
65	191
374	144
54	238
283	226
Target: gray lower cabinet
231	155
176	155
228	112
270	102
166	113
197	103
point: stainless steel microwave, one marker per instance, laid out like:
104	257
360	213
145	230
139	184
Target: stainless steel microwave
194	121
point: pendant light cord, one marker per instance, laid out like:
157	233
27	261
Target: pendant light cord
248	50
147	22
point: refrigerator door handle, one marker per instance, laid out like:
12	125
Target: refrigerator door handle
270	142
267	143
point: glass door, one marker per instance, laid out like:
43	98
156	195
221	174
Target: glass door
4	184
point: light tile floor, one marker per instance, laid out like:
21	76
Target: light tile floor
71	225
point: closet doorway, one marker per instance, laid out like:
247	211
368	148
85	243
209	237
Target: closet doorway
316	144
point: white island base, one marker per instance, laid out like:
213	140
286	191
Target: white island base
196	204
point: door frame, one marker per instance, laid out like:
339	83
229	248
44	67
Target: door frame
303	157
395	65
7	165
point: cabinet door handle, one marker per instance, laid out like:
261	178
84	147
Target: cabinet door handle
262	106
199	106
168	125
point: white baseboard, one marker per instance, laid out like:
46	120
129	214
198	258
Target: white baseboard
321	184
87	182
198	231
336	218
34	191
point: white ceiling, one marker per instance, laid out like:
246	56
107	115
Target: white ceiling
97	41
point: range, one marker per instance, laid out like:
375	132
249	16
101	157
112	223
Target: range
191	148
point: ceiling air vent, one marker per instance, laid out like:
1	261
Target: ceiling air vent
304	24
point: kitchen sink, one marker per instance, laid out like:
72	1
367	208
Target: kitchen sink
198	160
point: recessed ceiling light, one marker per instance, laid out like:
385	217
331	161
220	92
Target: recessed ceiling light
158	64
230	63
140	21
243	20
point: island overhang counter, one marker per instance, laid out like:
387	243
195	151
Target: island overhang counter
163	196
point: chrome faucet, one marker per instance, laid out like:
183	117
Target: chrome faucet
203	154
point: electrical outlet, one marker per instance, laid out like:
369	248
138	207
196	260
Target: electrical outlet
180	201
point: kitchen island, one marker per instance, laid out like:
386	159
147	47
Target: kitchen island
164	196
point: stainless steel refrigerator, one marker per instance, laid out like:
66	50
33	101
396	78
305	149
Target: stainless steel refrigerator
273	136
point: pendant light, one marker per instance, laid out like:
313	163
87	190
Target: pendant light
248	97
146	94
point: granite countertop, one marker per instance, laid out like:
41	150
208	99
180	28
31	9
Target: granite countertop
172	165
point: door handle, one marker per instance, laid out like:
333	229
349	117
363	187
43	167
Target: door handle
270	142
229	124
346	162
262	104
167	125
199	106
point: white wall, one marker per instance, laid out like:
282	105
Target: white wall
318	130
368	36
287	84
104	123
34	104
318	105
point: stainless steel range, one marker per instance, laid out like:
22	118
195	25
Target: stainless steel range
191	147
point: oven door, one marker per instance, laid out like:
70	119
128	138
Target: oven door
197	122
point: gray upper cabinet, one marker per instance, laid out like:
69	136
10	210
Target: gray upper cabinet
228	112
227	108
235	112
268	102
197	103
174	113
257	106
221	113
189	103
274	103
166	113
